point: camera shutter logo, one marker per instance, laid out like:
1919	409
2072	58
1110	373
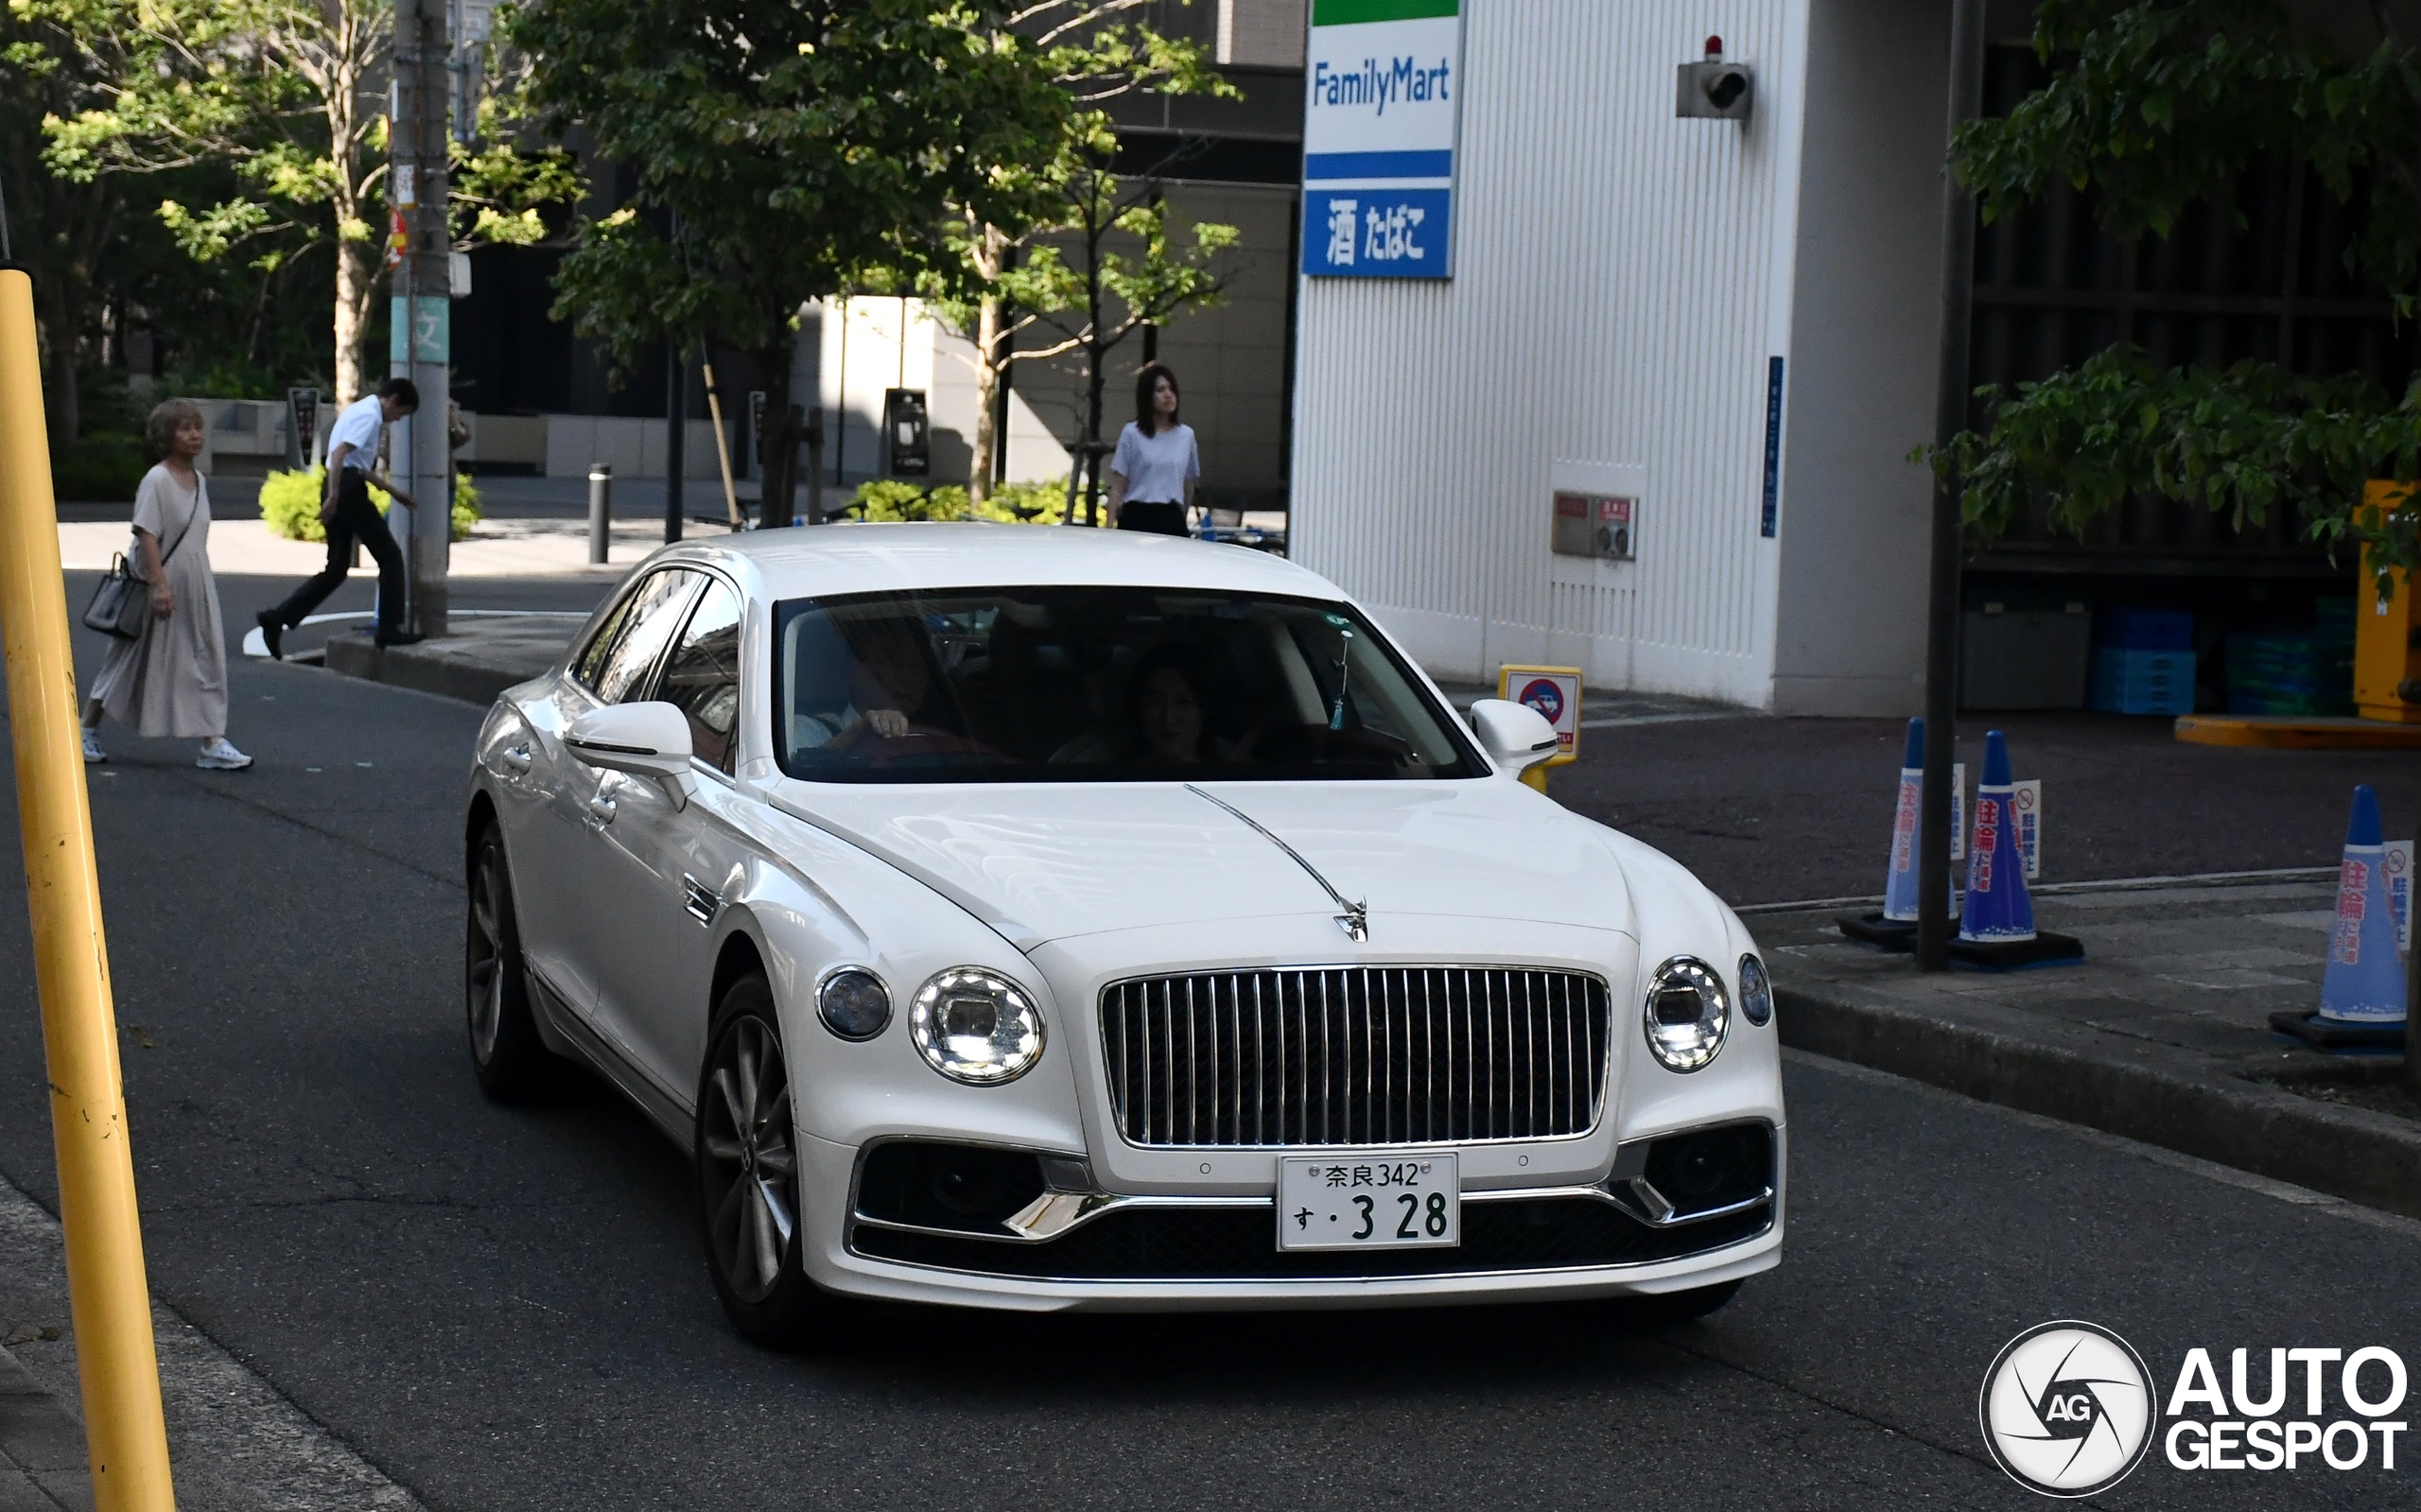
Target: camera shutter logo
2067	1408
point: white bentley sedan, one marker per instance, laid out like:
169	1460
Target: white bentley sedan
1040	918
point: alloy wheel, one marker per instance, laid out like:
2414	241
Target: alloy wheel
748	1161
486	979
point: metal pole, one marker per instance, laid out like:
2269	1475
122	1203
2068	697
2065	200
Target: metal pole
418	135
125	1437
601	510
676	434
1934	924
814	466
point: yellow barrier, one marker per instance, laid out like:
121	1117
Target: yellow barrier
111	1299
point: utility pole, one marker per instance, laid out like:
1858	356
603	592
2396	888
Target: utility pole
1934	924
419	346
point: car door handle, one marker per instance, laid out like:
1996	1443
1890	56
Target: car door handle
600	808
518	757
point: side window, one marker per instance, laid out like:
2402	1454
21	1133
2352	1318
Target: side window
703	676
591	659
647	627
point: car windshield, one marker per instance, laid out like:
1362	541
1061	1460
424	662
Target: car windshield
1098	685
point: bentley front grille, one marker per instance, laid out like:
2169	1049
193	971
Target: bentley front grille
1356	1055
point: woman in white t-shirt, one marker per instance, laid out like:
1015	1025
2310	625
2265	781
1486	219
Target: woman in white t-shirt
1152	472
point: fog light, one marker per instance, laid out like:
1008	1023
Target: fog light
1686	1014
854	1003
975	1026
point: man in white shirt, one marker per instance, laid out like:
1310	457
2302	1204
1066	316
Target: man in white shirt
350	517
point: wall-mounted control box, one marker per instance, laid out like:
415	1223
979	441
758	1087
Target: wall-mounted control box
1596	525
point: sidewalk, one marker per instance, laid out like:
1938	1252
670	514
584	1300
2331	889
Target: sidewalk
514	547
2161	1034
235	1443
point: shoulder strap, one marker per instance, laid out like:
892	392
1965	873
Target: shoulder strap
191	515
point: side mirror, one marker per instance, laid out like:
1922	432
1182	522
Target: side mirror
1515	735
650	740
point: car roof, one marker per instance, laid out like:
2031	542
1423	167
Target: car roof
831	559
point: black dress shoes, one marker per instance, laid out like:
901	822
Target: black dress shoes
397	637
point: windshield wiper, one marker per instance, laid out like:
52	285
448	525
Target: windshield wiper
1355	921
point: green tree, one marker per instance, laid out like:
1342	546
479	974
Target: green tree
2153	106
780	152
290	94
999	283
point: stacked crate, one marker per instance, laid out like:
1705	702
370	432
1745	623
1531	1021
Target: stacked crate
2143	661
2307	673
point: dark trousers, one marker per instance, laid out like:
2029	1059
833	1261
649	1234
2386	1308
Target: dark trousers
357	520
1162	519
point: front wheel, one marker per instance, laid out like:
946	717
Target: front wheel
511	1062
748	1175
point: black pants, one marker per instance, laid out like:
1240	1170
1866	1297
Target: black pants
1165	519
357	520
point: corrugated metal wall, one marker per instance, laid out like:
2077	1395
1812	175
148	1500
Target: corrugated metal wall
1621	278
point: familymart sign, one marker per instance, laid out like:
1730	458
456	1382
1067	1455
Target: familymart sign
1384	79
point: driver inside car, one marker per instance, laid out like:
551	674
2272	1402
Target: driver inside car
889	686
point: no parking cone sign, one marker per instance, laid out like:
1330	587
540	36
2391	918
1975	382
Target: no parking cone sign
1996	925
2365	980
1998	907
1900	883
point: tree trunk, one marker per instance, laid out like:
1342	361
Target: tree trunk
353	281
779	448
988	363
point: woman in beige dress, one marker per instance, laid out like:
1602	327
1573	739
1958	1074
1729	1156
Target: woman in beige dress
171	679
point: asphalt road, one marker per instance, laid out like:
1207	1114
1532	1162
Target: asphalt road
505	1309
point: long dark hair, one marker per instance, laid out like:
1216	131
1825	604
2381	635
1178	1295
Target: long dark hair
1145	420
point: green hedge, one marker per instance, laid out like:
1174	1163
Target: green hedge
889	498
290	504
99	468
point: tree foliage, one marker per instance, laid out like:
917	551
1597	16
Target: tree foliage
289	94
2153	106
778	152
1097	257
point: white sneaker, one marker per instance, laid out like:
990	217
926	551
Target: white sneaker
94	754
221	756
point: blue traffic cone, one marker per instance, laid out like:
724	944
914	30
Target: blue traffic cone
1900	882
1998	906
2365	980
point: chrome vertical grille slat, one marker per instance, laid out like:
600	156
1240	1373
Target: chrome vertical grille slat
1356	1055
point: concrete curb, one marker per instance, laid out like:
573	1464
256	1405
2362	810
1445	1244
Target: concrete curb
448	670
2156	1094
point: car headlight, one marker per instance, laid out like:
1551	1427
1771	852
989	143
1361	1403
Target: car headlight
1756	991
854	1002
1686	1014
976	1026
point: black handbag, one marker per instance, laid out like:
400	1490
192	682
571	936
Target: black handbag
122	602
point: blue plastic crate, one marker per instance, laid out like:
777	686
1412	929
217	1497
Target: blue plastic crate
2144	630
2143	681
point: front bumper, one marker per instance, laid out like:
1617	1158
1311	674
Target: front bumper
1099	1252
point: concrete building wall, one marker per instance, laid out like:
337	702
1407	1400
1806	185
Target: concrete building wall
1855	521
1622	277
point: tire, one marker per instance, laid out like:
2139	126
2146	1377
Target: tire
511	1062
748	1178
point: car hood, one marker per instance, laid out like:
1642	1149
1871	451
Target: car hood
1048	861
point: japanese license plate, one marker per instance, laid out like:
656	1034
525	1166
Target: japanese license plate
1369	1202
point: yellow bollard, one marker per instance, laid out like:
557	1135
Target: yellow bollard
124	1433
